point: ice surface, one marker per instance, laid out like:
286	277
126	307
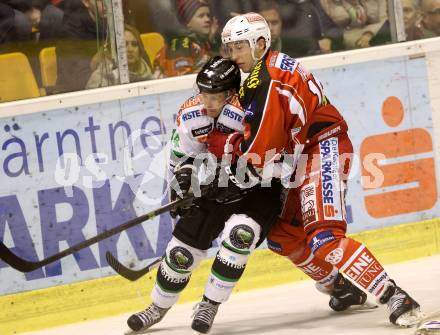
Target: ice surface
293	309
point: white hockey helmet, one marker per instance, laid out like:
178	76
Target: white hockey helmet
247	27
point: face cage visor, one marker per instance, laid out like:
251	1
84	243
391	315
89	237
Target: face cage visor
227	49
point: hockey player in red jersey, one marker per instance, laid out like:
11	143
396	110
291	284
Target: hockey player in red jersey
290	122
241	219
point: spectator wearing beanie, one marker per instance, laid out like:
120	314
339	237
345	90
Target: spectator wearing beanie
188	52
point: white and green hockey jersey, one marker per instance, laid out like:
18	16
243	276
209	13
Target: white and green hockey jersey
193	126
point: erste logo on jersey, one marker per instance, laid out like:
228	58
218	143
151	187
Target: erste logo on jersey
230	119
191	114
286	63
232	115
330	179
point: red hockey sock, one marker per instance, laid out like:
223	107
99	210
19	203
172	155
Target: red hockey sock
354	260
363	268
320	271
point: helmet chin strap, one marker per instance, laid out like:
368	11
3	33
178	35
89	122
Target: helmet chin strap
255	58
228	97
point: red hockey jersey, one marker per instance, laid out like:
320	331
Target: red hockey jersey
284	107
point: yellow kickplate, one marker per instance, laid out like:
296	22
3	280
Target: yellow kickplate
93	299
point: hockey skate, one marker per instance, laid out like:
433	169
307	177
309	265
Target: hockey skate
145	319
345	294
204	314
403	310
428	328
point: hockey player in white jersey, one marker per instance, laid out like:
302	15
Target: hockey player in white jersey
243	218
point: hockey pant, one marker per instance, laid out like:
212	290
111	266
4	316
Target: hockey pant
312	226
238	240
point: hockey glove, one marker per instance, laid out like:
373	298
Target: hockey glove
180	187
220	144
225	186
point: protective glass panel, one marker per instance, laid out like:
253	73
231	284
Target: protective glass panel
56	46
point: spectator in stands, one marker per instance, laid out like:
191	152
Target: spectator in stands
306	29
413	25
311	31
83	32
411	19
360	19
271	13
45	19
35	25
226	9
139	66
36	20
23	26
50	22
430	17
188	53
7	27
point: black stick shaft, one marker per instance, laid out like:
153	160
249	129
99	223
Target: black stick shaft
127	273
23	265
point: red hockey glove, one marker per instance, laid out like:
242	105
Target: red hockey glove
220	144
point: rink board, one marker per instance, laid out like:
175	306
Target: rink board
69	172
43	210
114	295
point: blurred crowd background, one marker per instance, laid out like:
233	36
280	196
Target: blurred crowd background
55	46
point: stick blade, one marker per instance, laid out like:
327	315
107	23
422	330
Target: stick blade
127	273
16	262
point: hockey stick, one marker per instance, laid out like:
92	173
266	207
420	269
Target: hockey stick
127	273
134	275
23	265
